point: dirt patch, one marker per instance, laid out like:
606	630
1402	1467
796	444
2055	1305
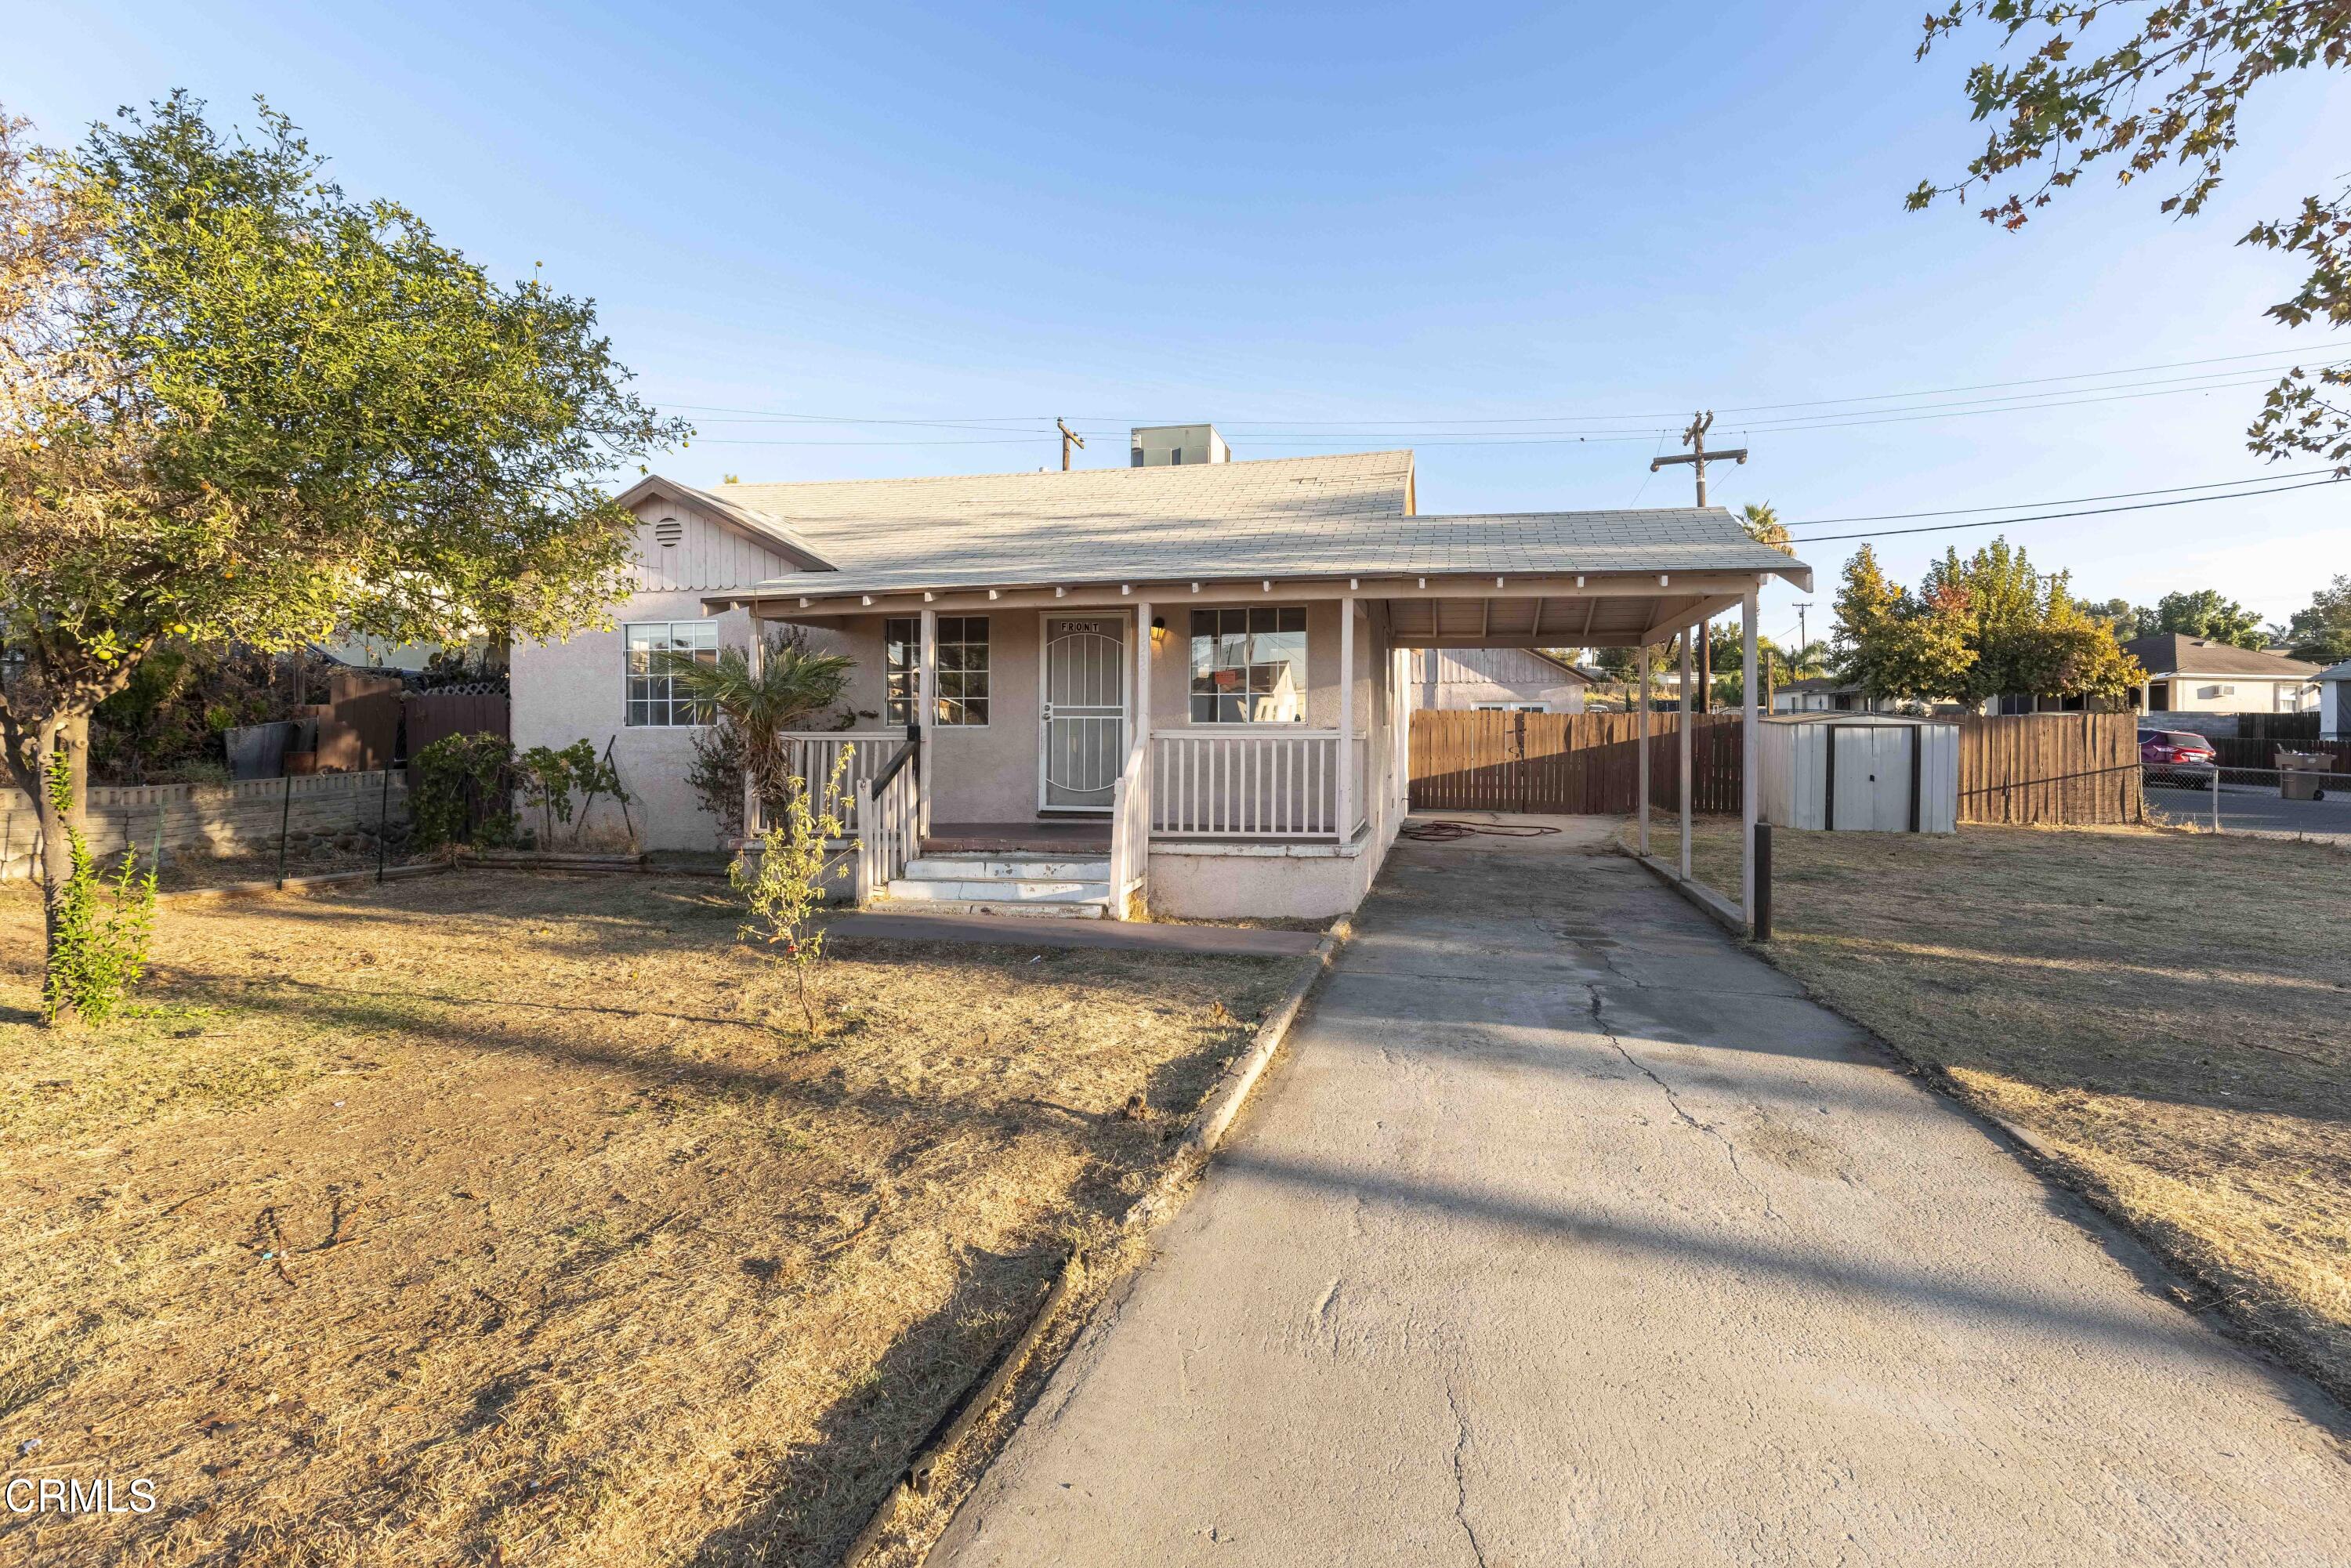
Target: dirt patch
2163	1011
507	1219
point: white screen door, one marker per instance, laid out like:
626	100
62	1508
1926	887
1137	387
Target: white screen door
1083	742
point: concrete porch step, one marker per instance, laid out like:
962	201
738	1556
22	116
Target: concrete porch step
1000	890
969	868
1096	909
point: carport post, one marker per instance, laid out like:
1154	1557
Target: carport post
927	679
1750	785
1683	721
1642	676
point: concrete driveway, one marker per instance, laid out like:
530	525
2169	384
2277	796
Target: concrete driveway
1567	1233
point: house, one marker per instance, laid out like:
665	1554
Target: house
1827	693
2196	676
1509	680
1181	681
2335	701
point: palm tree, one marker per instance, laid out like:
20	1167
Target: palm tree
1763	526
761	706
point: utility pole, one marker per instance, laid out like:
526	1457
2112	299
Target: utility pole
1804	636
1698	458
1069	438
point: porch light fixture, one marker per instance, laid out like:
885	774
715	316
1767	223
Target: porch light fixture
995	594
1125	588
1158	633
1060	592
928	596
806	601
867	598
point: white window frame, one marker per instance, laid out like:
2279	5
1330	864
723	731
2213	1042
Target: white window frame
898	706
700	637
1305	657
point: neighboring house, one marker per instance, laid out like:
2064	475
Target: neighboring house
1183	680
1827	693
1510	680
2194	674
2335	701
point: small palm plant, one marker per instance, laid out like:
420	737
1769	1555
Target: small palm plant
792	684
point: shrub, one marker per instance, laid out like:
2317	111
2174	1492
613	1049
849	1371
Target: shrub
97	954
462	786
788	889
549	778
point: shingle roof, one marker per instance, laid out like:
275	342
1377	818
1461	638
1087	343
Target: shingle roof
2173	653
1288	516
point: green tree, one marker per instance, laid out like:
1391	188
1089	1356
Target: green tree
2125	619
1979	626
237	406
2138	88
2321	633
2204	613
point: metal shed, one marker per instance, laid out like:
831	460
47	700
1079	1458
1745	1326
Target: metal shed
1860	772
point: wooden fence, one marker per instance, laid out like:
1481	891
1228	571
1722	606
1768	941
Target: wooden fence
2051	769
1567	762
2067	769
431	715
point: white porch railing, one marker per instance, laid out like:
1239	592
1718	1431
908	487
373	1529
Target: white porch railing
1130	831
811	755
890	812
1246	784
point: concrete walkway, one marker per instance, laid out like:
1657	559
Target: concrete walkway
1567	1233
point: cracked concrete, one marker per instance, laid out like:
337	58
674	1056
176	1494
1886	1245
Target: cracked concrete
1566	1232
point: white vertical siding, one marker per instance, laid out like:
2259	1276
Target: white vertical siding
708	555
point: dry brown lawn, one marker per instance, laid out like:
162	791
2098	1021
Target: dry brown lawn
2167	1013
500	1218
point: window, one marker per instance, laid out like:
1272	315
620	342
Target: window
648	697
962	668
1248	666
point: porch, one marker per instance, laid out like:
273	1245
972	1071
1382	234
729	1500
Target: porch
1198	748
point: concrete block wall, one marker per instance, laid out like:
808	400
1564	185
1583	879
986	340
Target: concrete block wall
210	818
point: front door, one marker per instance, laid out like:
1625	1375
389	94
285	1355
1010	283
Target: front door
1083	743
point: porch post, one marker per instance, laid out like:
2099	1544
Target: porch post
1346	719
1751	786
926	715
1143	713
757	657
1643	808
1684	722
1400	736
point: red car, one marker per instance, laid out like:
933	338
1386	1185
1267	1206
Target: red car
2177	756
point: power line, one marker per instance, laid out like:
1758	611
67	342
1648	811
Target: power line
2062	500
2051	517
2284	359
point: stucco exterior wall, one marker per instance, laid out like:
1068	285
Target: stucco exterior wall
1306	882
2232	694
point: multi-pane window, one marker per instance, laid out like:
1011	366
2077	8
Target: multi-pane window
962	668
1248	666
650	697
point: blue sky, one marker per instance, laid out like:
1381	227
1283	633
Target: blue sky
1323	228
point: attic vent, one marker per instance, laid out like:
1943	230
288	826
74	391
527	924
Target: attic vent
668	531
